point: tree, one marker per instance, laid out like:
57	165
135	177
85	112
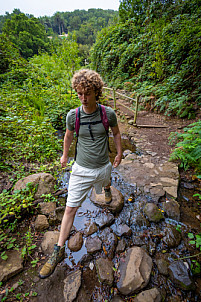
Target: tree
28	34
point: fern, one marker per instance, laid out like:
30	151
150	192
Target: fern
188	147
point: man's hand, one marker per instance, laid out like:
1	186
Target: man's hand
117	161
63	161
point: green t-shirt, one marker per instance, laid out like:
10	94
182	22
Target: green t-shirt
92	154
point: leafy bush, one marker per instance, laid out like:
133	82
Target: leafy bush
188	149
32	110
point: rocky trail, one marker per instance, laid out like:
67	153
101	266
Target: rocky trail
134	249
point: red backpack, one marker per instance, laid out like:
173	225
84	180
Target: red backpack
104	121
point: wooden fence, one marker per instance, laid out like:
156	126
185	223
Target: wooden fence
136	101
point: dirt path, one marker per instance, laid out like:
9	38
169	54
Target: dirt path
150	138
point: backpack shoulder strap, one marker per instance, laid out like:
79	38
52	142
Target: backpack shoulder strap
77	120
104	117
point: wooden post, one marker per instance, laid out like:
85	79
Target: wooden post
136	108
114	97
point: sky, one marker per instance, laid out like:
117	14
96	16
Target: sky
49	7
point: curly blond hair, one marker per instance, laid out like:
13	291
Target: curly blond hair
88	80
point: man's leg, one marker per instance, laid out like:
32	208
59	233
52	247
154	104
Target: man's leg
66	224
59	249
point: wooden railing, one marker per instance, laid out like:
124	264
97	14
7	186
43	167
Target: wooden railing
136	101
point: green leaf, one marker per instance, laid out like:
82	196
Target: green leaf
190	235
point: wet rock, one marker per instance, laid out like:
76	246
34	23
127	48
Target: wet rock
49	240
121	230
84	261
162	263
105	271
126	152
121	246
153	213
151	295
141	221
93	245
12	266
172	237
109	240
171	208
45	183
75	242
116	204
157	191
135	271
47	207
41	223
90	229
137	241
71	286
104	219
179	275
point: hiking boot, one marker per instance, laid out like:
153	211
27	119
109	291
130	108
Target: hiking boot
108	196
56	257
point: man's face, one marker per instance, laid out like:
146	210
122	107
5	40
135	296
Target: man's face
87	97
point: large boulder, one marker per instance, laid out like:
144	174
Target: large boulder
47	208
93	244
12	266
109	240
49	240
135	271
153	213
75	242
105	271
116	204
72	284
180	275
104	219
171	207
151	295
44	182
172	237
41	223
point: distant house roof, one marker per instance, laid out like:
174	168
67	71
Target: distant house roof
61	36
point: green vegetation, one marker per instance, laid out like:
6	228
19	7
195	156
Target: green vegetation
34	100
188	149
195	265
28	34
155	51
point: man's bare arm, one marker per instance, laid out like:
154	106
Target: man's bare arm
117	141
67	142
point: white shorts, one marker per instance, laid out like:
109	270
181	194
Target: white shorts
83	179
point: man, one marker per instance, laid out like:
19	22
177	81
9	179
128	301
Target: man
92	167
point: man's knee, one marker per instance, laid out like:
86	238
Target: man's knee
70	211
